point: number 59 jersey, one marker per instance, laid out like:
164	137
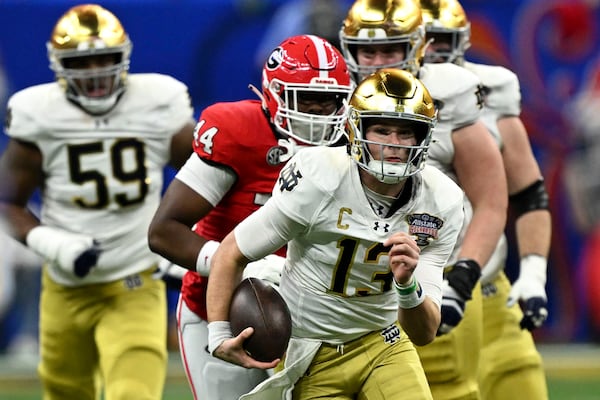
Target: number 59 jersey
103	174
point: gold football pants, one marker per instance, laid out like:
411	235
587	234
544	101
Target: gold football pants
510	365
451	360
112	334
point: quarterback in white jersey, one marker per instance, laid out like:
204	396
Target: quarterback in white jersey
95	143
510	365
369	230
391	34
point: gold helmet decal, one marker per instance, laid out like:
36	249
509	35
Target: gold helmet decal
89	53
88	27
445	13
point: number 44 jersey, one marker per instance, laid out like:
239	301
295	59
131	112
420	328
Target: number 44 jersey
103	174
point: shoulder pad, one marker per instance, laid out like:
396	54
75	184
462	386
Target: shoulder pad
503	93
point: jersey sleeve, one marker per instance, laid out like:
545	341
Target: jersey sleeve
295	201
22	120
235	135
156	104
502	90
176	99
457	91
209	181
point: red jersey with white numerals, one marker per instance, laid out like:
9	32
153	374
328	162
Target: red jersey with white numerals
237	136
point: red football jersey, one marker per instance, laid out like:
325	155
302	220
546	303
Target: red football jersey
238	136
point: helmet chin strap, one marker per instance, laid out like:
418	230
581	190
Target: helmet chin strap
259	94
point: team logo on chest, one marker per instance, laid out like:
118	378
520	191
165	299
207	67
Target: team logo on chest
424	227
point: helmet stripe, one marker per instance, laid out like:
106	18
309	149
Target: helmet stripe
324	63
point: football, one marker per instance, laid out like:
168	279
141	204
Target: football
257	304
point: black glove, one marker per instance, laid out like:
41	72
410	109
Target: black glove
459	281
86	261
535	312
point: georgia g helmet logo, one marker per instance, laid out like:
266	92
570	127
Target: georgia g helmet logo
274	59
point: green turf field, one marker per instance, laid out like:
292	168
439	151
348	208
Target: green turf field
573	374
559	388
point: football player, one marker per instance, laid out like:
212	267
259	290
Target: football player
390	33
369	229
510	366
240	148
95	142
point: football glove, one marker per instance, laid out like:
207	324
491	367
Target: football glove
268	268
291	148
72	252
529	290
170	273
457	289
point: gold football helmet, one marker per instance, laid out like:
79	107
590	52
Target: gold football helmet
446	21
383	22
89	53
393	96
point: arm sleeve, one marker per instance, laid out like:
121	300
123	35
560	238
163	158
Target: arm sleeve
208	181
265	231
432	260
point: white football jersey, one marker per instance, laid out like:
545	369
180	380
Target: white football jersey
103	174
337	280
456	91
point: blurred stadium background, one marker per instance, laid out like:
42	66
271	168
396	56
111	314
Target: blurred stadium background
212	45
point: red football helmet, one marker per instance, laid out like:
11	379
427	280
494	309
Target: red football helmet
306	68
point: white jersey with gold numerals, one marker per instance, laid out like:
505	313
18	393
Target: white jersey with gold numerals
502	96
103	174
337	280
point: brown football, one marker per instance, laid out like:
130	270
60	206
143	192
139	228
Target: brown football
257	304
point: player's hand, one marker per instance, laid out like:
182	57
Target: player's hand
73	252
457	289
268	268
529	290
232	350
172	274
404	256
291	148
453	308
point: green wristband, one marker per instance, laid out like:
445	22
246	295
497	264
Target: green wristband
406	289
409	295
